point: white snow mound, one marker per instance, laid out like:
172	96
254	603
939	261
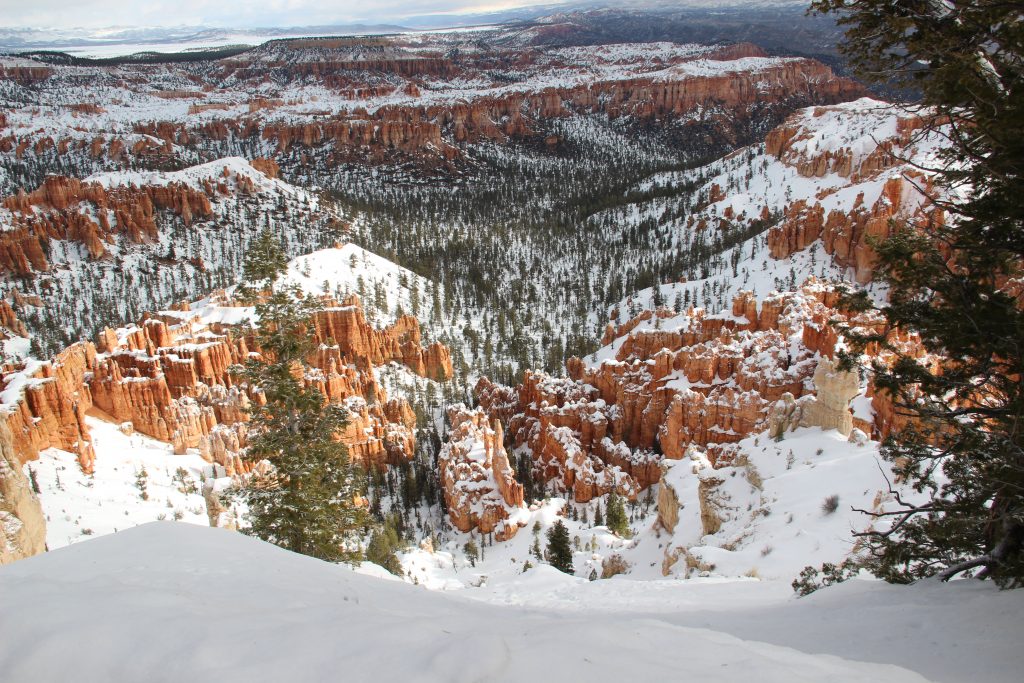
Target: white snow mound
176	602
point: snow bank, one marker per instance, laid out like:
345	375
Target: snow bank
174	602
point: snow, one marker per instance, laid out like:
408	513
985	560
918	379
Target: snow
78	506
172	602
196	176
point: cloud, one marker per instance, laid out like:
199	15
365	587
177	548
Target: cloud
233	13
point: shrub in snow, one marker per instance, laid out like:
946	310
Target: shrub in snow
559	552
472	552
616	518
830	504
812	579
613	565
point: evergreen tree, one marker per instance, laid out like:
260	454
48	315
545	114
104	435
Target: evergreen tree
616	515
559	551
381	550
306	501
472	552
265	261
948	283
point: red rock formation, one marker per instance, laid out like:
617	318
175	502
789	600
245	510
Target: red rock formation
267	167
69	209
700	380
9	319
346	328
49	405
477	479
782	143
25	75
846	235
573	436
170	378
430	132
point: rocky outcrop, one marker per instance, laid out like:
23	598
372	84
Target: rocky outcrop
46	405
668	500
692	380
92	216
22	525
477	479
25	74
788	143
878	139
575	437
10	321
170	378
847	234
830	407
345	328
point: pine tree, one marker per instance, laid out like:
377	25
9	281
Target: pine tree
265	262
947	283
381	551
472	552
307	501
616	516
559	551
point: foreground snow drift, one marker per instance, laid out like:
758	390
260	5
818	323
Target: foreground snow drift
174	602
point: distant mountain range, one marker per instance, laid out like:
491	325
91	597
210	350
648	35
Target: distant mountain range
124	40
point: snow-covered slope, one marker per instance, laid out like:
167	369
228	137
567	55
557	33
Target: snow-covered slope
840	157
136	480
178	256
769	507
173	602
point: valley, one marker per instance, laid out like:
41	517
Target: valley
561	282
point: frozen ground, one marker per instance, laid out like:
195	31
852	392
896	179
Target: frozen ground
172	602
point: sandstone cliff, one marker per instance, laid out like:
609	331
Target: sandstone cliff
866	145
387	103
91	215
22	526
170	378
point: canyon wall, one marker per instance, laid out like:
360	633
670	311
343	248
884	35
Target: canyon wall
377	104
477	479
847	230
170	378
669	383
92	215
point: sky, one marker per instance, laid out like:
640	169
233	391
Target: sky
60	14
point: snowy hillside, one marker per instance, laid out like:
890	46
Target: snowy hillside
172	602
85	285
839	157
770	510
136	480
